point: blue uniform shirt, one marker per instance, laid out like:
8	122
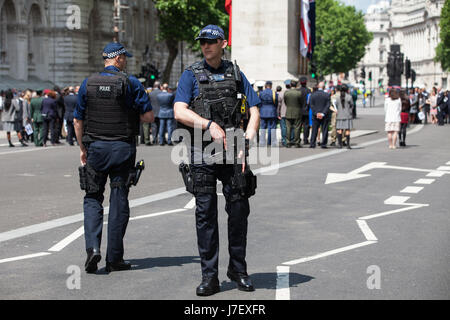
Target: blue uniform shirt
135	96
187	89
269	104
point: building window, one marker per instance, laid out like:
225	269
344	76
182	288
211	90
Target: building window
381	56
381	27
381	40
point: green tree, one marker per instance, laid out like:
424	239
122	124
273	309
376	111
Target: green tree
182	20
443	48
341	37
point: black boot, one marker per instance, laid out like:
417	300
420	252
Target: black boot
23	143
10	144
348	142
339	136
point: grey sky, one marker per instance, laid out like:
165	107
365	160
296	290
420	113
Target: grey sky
360	4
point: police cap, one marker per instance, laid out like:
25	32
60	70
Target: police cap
211	32
114	49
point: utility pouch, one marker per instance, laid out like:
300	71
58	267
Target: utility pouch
83	177
187	176
245	183
90	180
251	183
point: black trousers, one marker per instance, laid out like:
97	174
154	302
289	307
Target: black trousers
323	124
305	124
441	115
70	131
113	159
402	133
207	226
50	124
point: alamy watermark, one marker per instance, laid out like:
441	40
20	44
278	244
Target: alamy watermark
73	21
73	282
374	281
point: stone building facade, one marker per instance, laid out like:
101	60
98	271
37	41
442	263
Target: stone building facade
61	41
412	24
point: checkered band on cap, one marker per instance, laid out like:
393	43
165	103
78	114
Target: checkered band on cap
114	54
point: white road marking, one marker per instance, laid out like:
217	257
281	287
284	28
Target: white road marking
282	291
328	253
156	214
28	256
444	168
357	173
28	150
66	241
410	189
448	163
396	200
436	174
425	181
191	204
386	213
366	230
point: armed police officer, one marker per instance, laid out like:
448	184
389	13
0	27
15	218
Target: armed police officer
109	108
211	97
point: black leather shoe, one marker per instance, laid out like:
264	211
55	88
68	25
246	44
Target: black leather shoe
208	287
93	257
117	266
243	281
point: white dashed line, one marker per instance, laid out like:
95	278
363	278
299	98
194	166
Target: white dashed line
425	181
282	290
28	256
410	189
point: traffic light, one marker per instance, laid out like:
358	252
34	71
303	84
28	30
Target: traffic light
313	70
407	68
363	73
370	75
150	73
413	76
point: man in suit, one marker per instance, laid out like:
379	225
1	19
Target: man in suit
268	112
320	106
293	100
155	125
305	109
70	102
442	101
166	115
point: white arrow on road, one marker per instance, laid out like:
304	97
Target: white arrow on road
358	173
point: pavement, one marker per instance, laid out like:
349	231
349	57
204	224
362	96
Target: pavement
367	223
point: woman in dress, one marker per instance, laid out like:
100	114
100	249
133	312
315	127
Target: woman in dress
433	105
344	117
392	109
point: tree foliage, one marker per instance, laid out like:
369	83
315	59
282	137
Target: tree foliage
341	37
443	48
182	20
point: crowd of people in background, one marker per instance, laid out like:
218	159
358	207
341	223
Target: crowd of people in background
403	107
304	115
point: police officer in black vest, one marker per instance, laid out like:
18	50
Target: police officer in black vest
210	98
110	106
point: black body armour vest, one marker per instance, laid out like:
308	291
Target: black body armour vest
219	98
107	115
